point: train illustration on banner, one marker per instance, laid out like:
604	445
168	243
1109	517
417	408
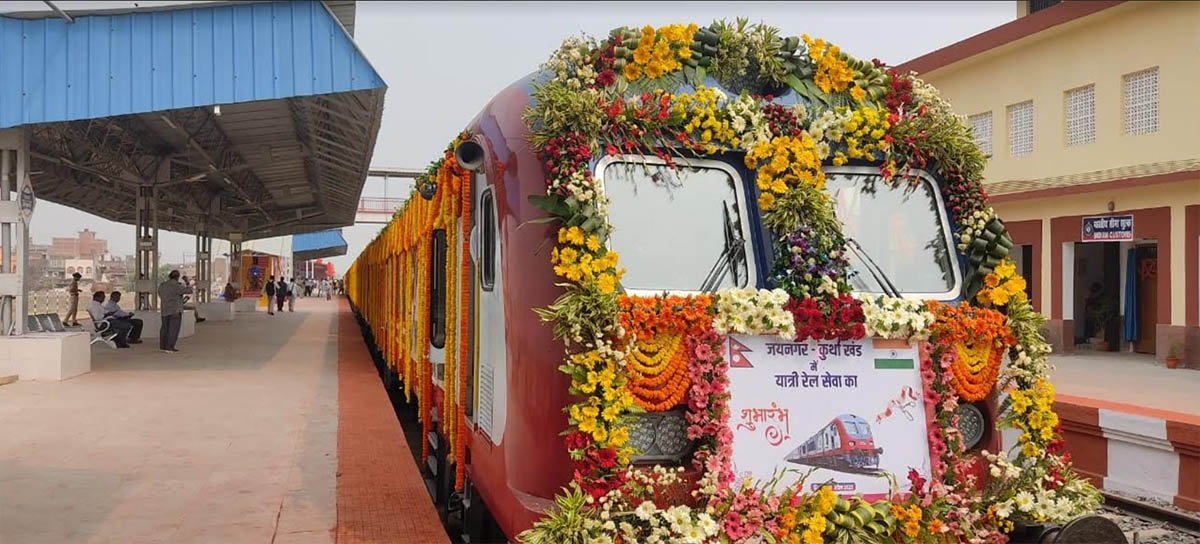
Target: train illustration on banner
844	444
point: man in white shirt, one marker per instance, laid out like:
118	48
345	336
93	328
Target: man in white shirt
291	294
113	311
121	327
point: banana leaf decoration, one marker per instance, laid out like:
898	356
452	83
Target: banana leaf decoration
984	253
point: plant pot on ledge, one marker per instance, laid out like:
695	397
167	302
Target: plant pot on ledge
1172	359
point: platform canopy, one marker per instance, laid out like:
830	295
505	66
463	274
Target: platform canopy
318	245
257	117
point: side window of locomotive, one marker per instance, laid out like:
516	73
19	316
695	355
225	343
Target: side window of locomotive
487	204
437	290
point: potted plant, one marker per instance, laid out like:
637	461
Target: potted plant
1101	314
1173	354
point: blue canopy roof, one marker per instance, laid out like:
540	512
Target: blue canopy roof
141	61
318	245
121	99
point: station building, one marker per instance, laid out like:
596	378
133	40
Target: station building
1088	110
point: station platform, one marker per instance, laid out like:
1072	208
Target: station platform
261	430
1132	425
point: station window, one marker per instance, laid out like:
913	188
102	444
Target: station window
1141	102
981	129
487	205
437	290
1081	115
1020	128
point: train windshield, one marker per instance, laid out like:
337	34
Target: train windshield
857	429
677	229
901	228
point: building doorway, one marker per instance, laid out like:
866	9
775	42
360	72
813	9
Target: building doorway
1145	284
1097	296
1022	257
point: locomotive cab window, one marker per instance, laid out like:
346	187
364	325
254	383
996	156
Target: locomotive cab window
437	290
678	229
487	226
900	231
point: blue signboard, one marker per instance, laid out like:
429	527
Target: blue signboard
1108	228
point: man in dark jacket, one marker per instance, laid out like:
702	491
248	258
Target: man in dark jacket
170	298
281	291
269	289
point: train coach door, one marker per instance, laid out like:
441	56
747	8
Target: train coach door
489	402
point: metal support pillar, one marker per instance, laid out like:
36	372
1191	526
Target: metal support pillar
235	260
14	232
203	264
146	227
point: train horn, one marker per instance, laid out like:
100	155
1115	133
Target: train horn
469	155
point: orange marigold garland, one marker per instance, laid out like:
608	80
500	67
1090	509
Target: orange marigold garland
658	363
980	338
465	311
658	372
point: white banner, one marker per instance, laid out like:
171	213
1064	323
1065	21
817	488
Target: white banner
853	412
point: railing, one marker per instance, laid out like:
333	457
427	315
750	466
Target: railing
51	301
375	204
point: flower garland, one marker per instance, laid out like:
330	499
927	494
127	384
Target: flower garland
708	411
895	318
658	328
836	318
979	338
754	311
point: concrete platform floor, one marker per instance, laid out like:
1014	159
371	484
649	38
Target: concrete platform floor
231	441
1127	378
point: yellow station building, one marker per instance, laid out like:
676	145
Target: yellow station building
1090	111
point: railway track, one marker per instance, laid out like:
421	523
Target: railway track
1145	522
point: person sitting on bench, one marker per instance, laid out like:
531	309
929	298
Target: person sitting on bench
119	326
113	311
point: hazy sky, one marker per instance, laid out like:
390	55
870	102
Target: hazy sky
444	60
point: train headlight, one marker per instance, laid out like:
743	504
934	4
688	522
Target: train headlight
659	436
972	424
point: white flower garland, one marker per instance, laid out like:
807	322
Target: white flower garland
754	312
896	318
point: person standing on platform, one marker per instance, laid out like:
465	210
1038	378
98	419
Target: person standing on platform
269	289
291	294
281	292
72	319
170	295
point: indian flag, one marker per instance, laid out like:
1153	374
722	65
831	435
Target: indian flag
889	354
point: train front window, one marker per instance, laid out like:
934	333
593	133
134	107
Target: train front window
858	429
902	228
681	229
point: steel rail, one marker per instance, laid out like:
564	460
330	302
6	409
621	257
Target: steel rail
1147	511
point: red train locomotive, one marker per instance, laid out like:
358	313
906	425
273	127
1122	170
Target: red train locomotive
845	443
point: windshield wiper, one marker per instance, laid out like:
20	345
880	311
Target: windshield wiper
889	288
732	254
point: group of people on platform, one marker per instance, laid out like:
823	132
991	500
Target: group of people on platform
172	295
286	290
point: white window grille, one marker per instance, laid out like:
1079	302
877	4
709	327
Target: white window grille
1081	115
1141	102
1020	128
981	127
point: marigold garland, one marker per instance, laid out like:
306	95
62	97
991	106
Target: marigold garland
980	338
658	372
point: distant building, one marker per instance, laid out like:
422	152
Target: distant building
84	267
1088	111
84	246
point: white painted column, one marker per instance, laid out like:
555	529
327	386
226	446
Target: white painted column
1047	276
1068	282
1178	264
14	235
